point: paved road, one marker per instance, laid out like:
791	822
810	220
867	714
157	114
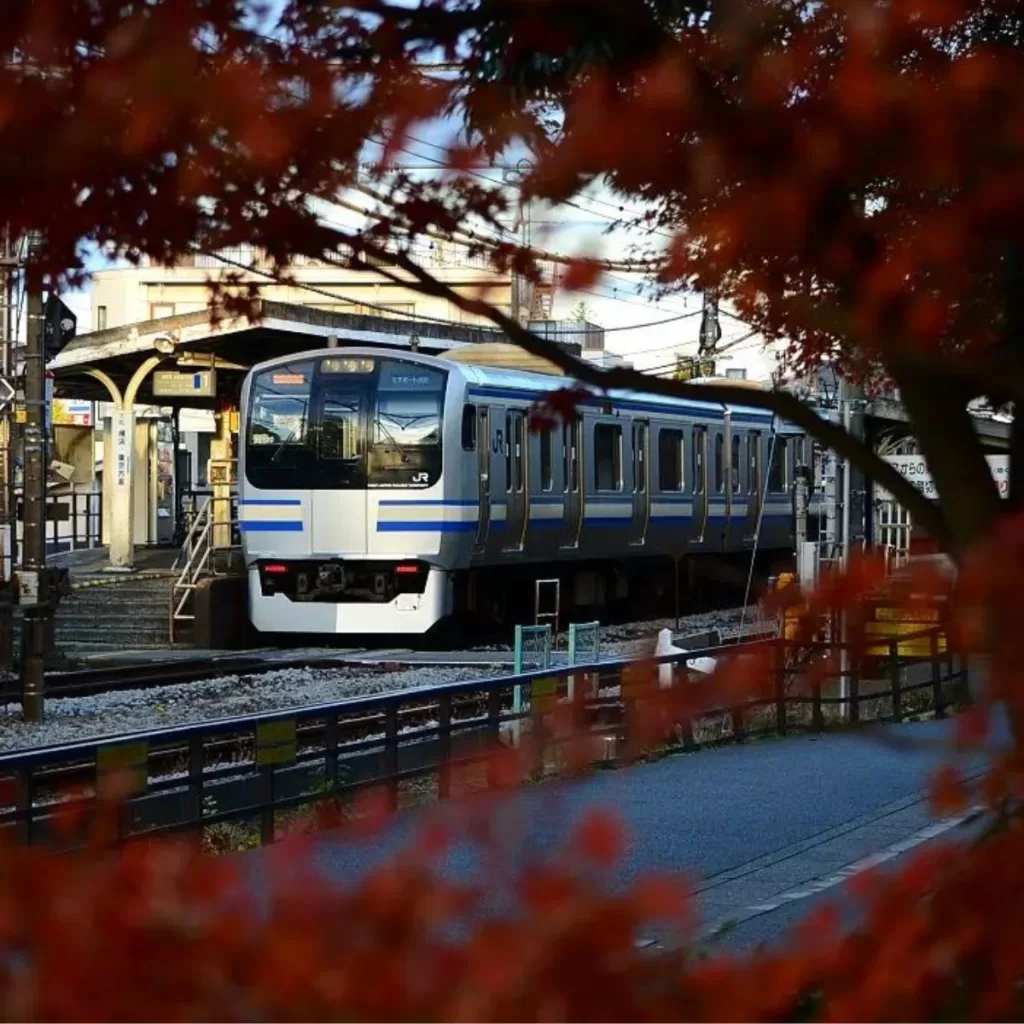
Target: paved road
766	828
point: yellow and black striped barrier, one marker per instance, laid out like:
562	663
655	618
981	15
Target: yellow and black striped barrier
128	577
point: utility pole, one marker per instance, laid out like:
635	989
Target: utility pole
34	589
9	268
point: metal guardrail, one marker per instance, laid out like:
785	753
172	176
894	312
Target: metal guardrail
255	767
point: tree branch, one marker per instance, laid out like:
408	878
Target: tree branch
782	403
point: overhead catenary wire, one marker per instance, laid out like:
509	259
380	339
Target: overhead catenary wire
416	316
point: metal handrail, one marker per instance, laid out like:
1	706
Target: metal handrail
189	564
196	559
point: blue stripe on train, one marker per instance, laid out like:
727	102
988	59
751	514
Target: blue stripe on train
272	526
424	527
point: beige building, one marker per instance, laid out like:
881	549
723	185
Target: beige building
149	291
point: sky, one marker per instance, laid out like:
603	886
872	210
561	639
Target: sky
648	333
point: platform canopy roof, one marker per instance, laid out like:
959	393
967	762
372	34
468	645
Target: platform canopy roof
234	344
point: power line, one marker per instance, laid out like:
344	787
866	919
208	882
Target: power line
415	316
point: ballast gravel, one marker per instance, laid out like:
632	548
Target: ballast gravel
70	719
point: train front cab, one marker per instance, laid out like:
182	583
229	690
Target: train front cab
342	505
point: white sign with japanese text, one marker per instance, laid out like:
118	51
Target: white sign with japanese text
121	429
914	468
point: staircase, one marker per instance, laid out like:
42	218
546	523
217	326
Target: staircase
123	615
201	557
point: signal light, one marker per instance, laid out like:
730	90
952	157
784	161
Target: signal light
275	569
404	569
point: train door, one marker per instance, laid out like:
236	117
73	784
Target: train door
483	469
339	506
755	485
700	483
641	483
571	462
515	478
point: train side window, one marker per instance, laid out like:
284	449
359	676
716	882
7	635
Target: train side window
777	466
508	453
608	457
799	455
735	464
519	452
754	461
700	444
570	455
547	477
719	462
469	428
670	460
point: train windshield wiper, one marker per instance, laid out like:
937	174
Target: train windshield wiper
379	424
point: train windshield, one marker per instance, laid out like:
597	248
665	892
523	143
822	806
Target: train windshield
345	423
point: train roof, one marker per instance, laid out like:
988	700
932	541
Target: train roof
499	379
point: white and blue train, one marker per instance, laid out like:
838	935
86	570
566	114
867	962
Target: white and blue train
383	491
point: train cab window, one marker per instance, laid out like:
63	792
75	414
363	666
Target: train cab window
670	460
279	431
734	465
754	461
700	447
777	466
608	457
547	477
469	428
719	462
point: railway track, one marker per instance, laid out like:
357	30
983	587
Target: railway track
91	681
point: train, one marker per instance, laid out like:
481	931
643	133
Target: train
384	491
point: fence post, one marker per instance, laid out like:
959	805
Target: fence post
817	721
195	776
894	681
966	696
74	520
780	686
739	731
391	753
444	726
853	693
267	814
331	754
494	734
938	696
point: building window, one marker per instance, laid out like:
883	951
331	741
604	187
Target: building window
670	460
700	445
735	467
777	467
469	428
101	318
547	478
608	457
158	310
719	462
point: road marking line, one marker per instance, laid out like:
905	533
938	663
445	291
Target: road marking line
815	886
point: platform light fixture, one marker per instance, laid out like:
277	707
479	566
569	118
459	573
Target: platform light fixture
164	344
